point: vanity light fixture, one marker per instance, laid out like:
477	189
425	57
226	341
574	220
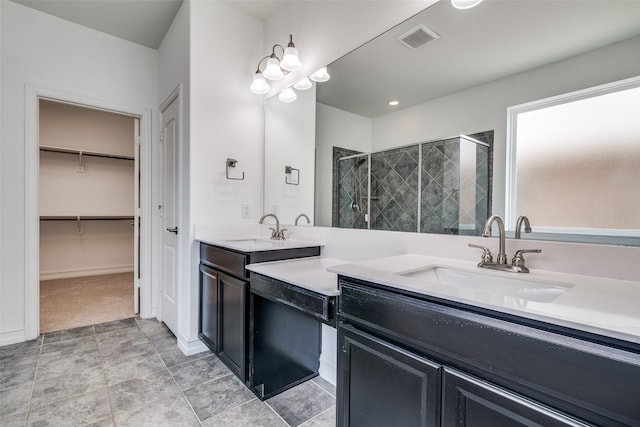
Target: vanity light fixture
465	4
259	85
321	75
275	69
303	84
287	95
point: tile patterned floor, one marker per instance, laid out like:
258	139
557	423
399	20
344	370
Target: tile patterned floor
131	373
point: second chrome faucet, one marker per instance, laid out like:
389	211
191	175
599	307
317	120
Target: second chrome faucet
517	263
276	233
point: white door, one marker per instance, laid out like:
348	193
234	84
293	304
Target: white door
169	211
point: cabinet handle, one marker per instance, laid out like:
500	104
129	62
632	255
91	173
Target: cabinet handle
173	230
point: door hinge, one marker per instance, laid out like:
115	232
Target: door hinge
161	136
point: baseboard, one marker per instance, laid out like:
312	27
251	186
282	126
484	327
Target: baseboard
12	336
190	347
329	356
82	272
328	369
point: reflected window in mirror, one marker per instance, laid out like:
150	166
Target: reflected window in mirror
575	163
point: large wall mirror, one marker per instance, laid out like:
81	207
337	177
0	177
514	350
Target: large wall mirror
437	161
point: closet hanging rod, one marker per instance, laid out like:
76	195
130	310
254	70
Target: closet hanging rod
86	218
84	153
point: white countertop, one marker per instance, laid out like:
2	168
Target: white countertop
255	243
309	273
598	305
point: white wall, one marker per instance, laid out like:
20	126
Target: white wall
485	107
44	51
290	130
339	128
174	72
226	121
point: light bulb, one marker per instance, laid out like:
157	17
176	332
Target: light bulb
303	84
287	95
290	60
321	75
259	85
465	4
273	70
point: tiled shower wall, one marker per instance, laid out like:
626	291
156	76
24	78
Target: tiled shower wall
445	190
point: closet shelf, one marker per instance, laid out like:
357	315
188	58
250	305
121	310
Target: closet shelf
86	218
84	153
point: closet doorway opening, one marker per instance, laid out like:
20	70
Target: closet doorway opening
89	209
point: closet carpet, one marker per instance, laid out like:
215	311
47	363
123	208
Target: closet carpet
83	301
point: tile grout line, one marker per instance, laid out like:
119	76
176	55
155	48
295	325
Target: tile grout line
104	378
172	377
318	415
276	412
33	382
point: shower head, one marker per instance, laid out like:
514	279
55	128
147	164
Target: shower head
361	161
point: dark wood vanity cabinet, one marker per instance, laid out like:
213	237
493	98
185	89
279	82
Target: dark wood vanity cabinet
224	300
285	334
412	360
381	384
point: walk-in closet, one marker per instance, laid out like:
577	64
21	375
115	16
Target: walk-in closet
87	201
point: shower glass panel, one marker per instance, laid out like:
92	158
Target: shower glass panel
394	189
455	186
353	192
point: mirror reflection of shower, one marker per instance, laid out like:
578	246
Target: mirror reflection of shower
357	198
351	203
440	186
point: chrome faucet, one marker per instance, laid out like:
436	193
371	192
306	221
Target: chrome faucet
527	226
276	233
517	263
502	256
302	216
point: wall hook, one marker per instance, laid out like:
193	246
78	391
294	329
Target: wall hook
288	170
231	163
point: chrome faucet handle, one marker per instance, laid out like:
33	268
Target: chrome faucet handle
274	233
281	234
518	259
486	254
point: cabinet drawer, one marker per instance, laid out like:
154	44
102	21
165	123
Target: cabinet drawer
592	381
224	260
312	303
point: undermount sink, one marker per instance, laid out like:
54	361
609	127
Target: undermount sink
521	288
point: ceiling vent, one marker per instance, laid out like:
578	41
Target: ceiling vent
418	36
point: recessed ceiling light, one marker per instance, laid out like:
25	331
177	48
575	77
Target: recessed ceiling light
393	103
465	4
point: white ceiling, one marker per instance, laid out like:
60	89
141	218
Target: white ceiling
140	21
259	9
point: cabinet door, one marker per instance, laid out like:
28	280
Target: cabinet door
233	313
468	401
208	324
380	384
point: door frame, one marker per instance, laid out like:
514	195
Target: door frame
33	95
177	96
